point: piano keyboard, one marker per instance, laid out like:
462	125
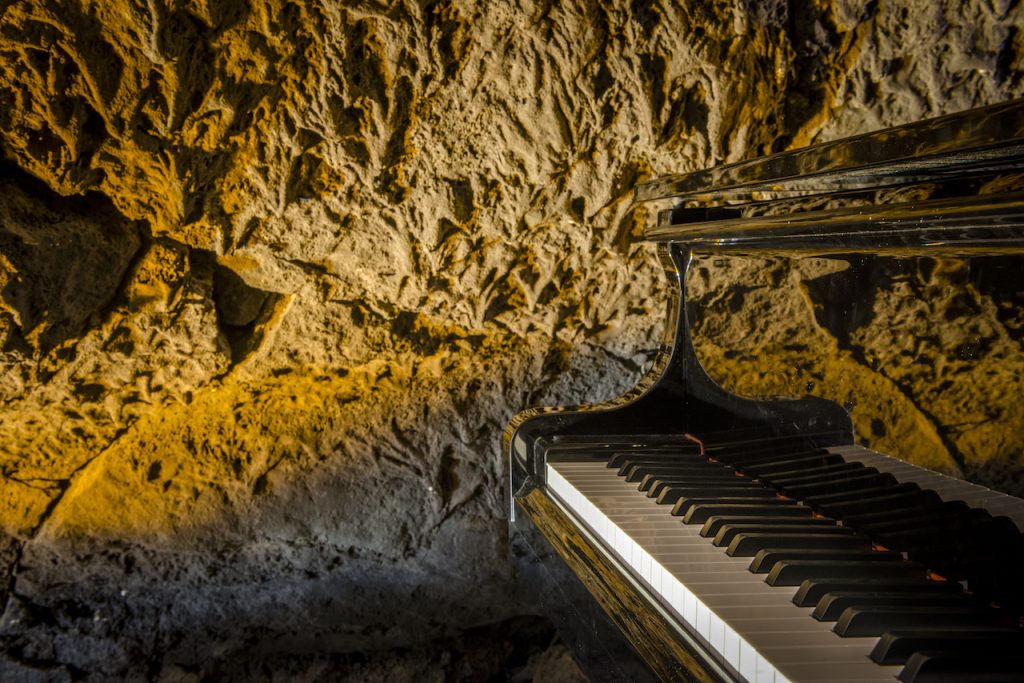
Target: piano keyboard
754	628
947	488
766	559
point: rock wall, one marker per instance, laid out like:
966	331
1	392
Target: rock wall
274	275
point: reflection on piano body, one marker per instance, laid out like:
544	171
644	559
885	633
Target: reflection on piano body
737	539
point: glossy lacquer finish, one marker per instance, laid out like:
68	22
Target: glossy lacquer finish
951	184
778	483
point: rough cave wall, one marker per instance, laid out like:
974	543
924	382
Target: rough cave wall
274	275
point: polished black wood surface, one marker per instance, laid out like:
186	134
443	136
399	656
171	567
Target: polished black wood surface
954	185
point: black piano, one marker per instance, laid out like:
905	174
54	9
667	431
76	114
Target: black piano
721	537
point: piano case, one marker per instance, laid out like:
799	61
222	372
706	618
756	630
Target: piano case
884	553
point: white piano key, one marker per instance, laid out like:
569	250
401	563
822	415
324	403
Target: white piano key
732	613
689	605
844	652
701	623
679	599
725	589
621	541
725	601
797	623
731	647
770	640
716	632
748	661
685	561
847	673
695	580
765	671
666	550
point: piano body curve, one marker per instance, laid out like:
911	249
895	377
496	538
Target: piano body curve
948	186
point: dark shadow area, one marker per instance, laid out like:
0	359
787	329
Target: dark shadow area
62	261
520	649
240	309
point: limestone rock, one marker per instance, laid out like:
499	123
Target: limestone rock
274	275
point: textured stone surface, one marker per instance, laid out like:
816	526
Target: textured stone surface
925	355
274	275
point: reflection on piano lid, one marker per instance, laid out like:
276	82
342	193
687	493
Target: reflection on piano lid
739	539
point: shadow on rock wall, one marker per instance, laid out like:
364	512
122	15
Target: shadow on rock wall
926	354
288	268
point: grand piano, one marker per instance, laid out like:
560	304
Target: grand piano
728	538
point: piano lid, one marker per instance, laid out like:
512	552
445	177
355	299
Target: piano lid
952	184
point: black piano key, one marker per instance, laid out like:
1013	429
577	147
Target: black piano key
766	468
688	463
983	569
923	518
667	492
652	483
754	441
695	462
811	591
841	485
814	474
675	461
763	457
699	514
832	605
979	529
940	667
994	566
650	477
716	523
794	572
727	532
945	532
874	620
847	495
897	501
659	482
945	536
885	516
988	563
997	583
634	473
765	560
616	460
684	505
896	647
629	464
748	544
976	529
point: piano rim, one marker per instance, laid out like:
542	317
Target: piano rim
666	647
